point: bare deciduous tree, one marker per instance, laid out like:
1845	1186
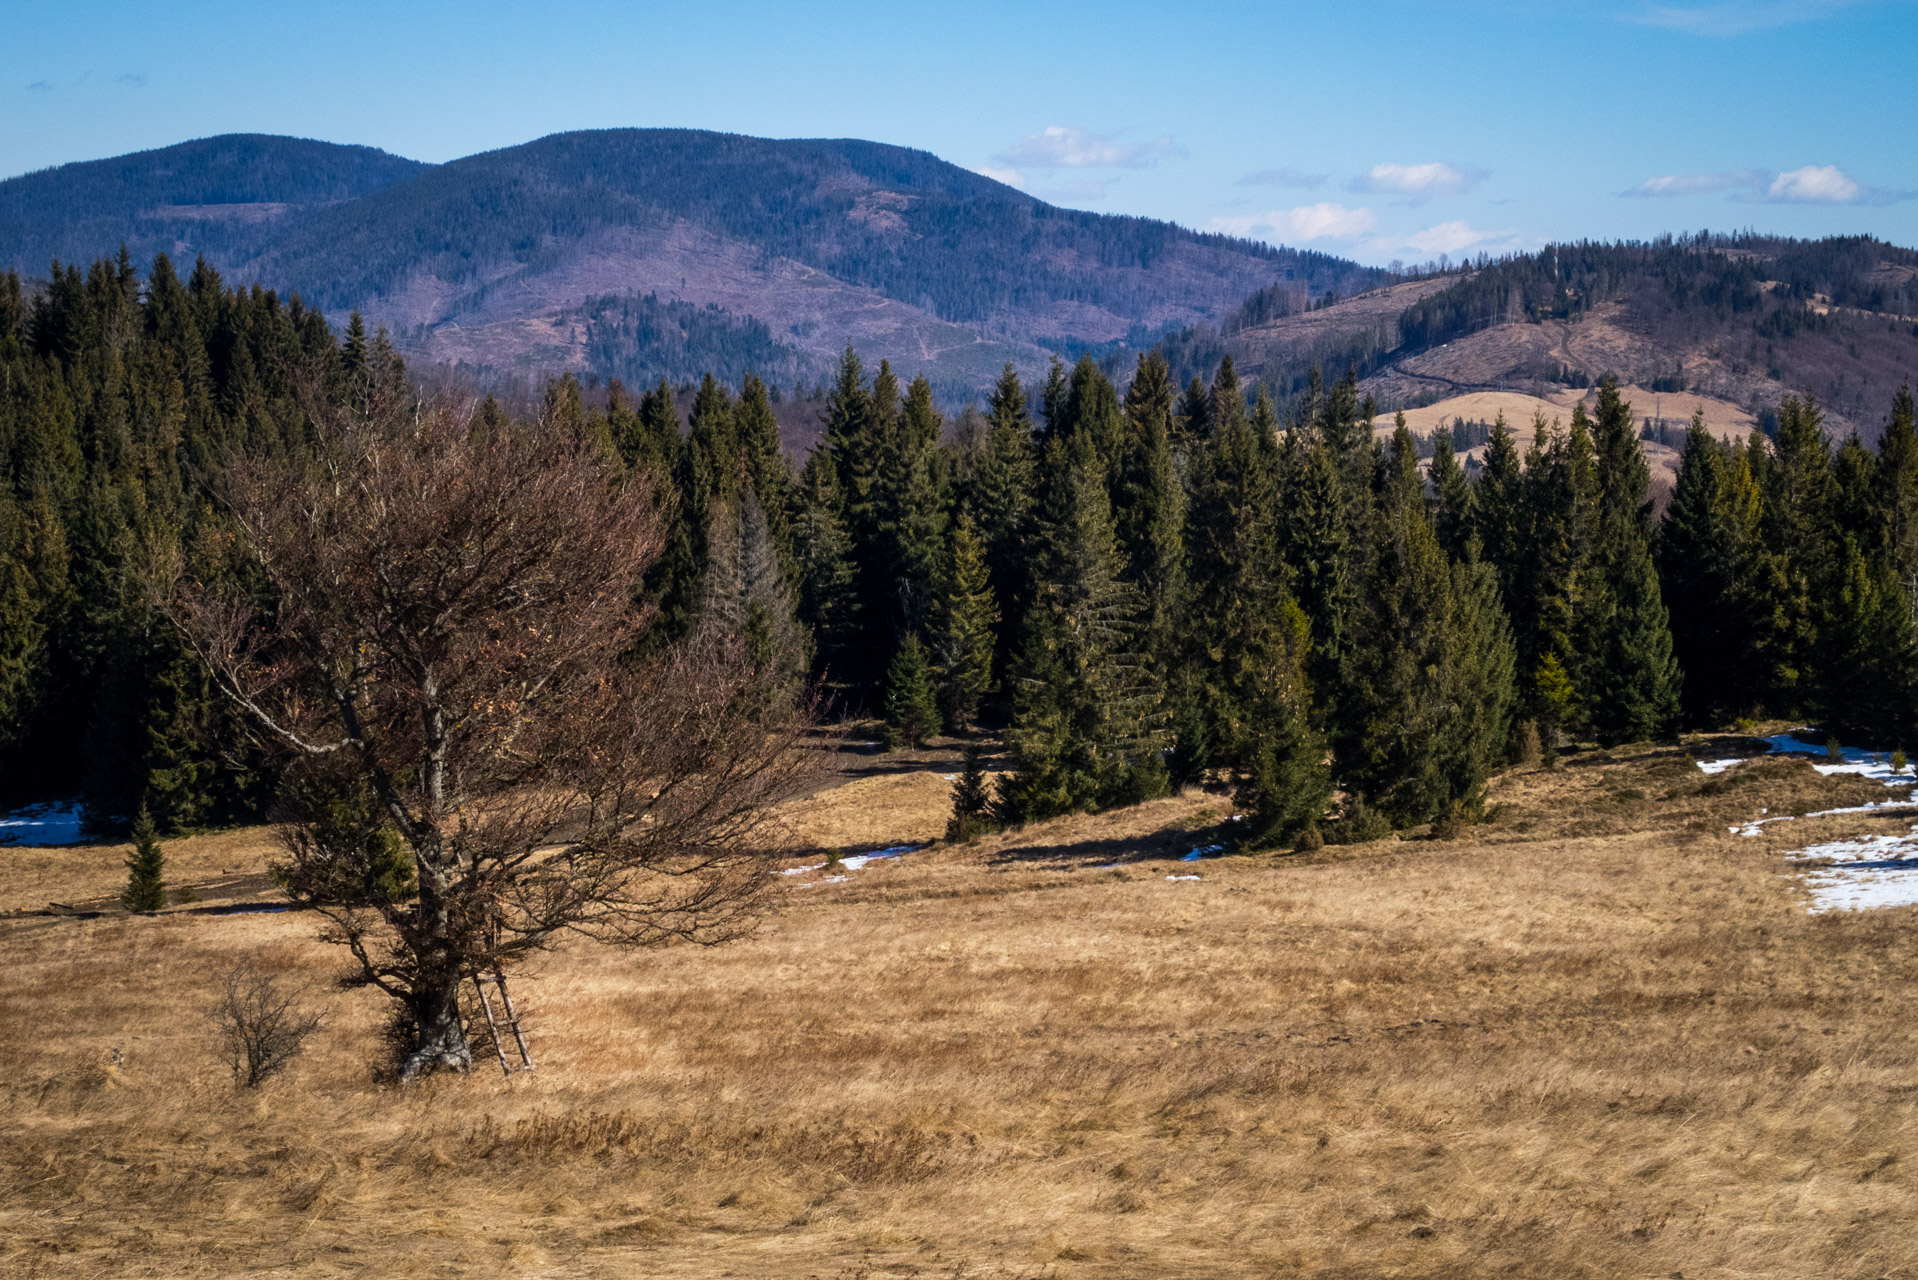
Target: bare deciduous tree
445	644
261	1027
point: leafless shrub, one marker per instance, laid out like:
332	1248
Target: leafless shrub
261	1026
455	667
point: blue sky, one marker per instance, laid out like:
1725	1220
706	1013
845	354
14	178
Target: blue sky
1374	130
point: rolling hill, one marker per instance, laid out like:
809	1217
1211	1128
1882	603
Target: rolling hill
1735	320
645	251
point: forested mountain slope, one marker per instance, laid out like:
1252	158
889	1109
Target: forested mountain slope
647	252
1745	319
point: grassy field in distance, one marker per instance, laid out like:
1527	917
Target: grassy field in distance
1600	1036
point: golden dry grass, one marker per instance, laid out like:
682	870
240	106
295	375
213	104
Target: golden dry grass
1601	1037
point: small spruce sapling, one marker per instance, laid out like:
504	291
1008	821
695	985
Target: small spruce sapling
1898	762
146	866
912	704
971	802
1834	751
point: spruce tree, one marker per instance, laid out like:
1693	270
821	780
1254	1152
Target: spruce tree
1150	512
1798	538
1085	731
828	604
1451	496
757	431
1431	689
910	499
1630	682
964	623
1002	492
912	701
1869	658
971	798
1698	562
146	868
1898	491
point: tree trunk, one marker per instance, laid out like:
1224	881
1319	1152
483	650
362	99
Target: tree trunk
442	1036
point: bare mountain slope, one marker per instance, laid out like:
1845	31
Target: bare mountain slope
511	259
1742	321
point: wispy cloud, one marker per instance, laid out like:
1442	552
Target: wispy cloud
1077	189
1417	181
1324	221
131	79
1737	17
1063	146
1811	184
1011	177
1456	237
1284	178
1699	184
41	86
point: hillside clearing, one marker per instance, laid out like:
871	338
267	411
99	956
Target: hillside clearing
1601	1037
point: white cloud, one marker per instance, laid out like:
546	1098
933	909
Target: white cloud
1078	189
1695	184
1324	221
1737	17
1815	184
1417	180
1284	178
1011	177
1061	146
1454	237
1812	184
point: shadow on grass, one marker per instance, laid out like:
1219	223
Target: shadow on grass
1151	846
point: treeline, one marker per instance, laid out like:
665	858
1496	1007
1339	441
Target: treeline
1792	568
1153	589
1135	591
639	337
117	399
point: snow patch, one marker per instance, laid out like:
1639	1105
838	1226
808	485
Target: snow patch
1871	871
1866	764
853	863
1203	851
42	825
1182	877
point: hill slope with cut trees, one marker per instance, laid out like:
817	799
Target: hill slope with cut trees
511	260
1745	319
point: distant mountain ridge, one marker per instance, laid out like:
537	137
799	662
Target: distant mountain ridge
1743	319
511	260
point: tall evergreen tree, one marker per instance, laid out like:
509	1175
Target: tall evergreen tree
1002	495
1698	566
1084	732
963	626
1630	681
1150	512
828	603
1451	496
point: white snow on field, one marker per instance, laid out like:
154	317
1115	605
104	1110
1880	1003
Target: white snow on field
853	863
859	860
42	824
1203	851
1857	874
1871	871
1182	877
1867	764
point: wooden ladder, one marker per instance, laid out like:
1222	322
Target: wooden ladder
498	979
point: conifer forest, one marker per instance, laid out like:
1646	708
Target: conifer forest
1133	587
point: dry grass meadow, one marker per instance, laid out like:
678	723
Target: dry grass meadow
1598	1037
